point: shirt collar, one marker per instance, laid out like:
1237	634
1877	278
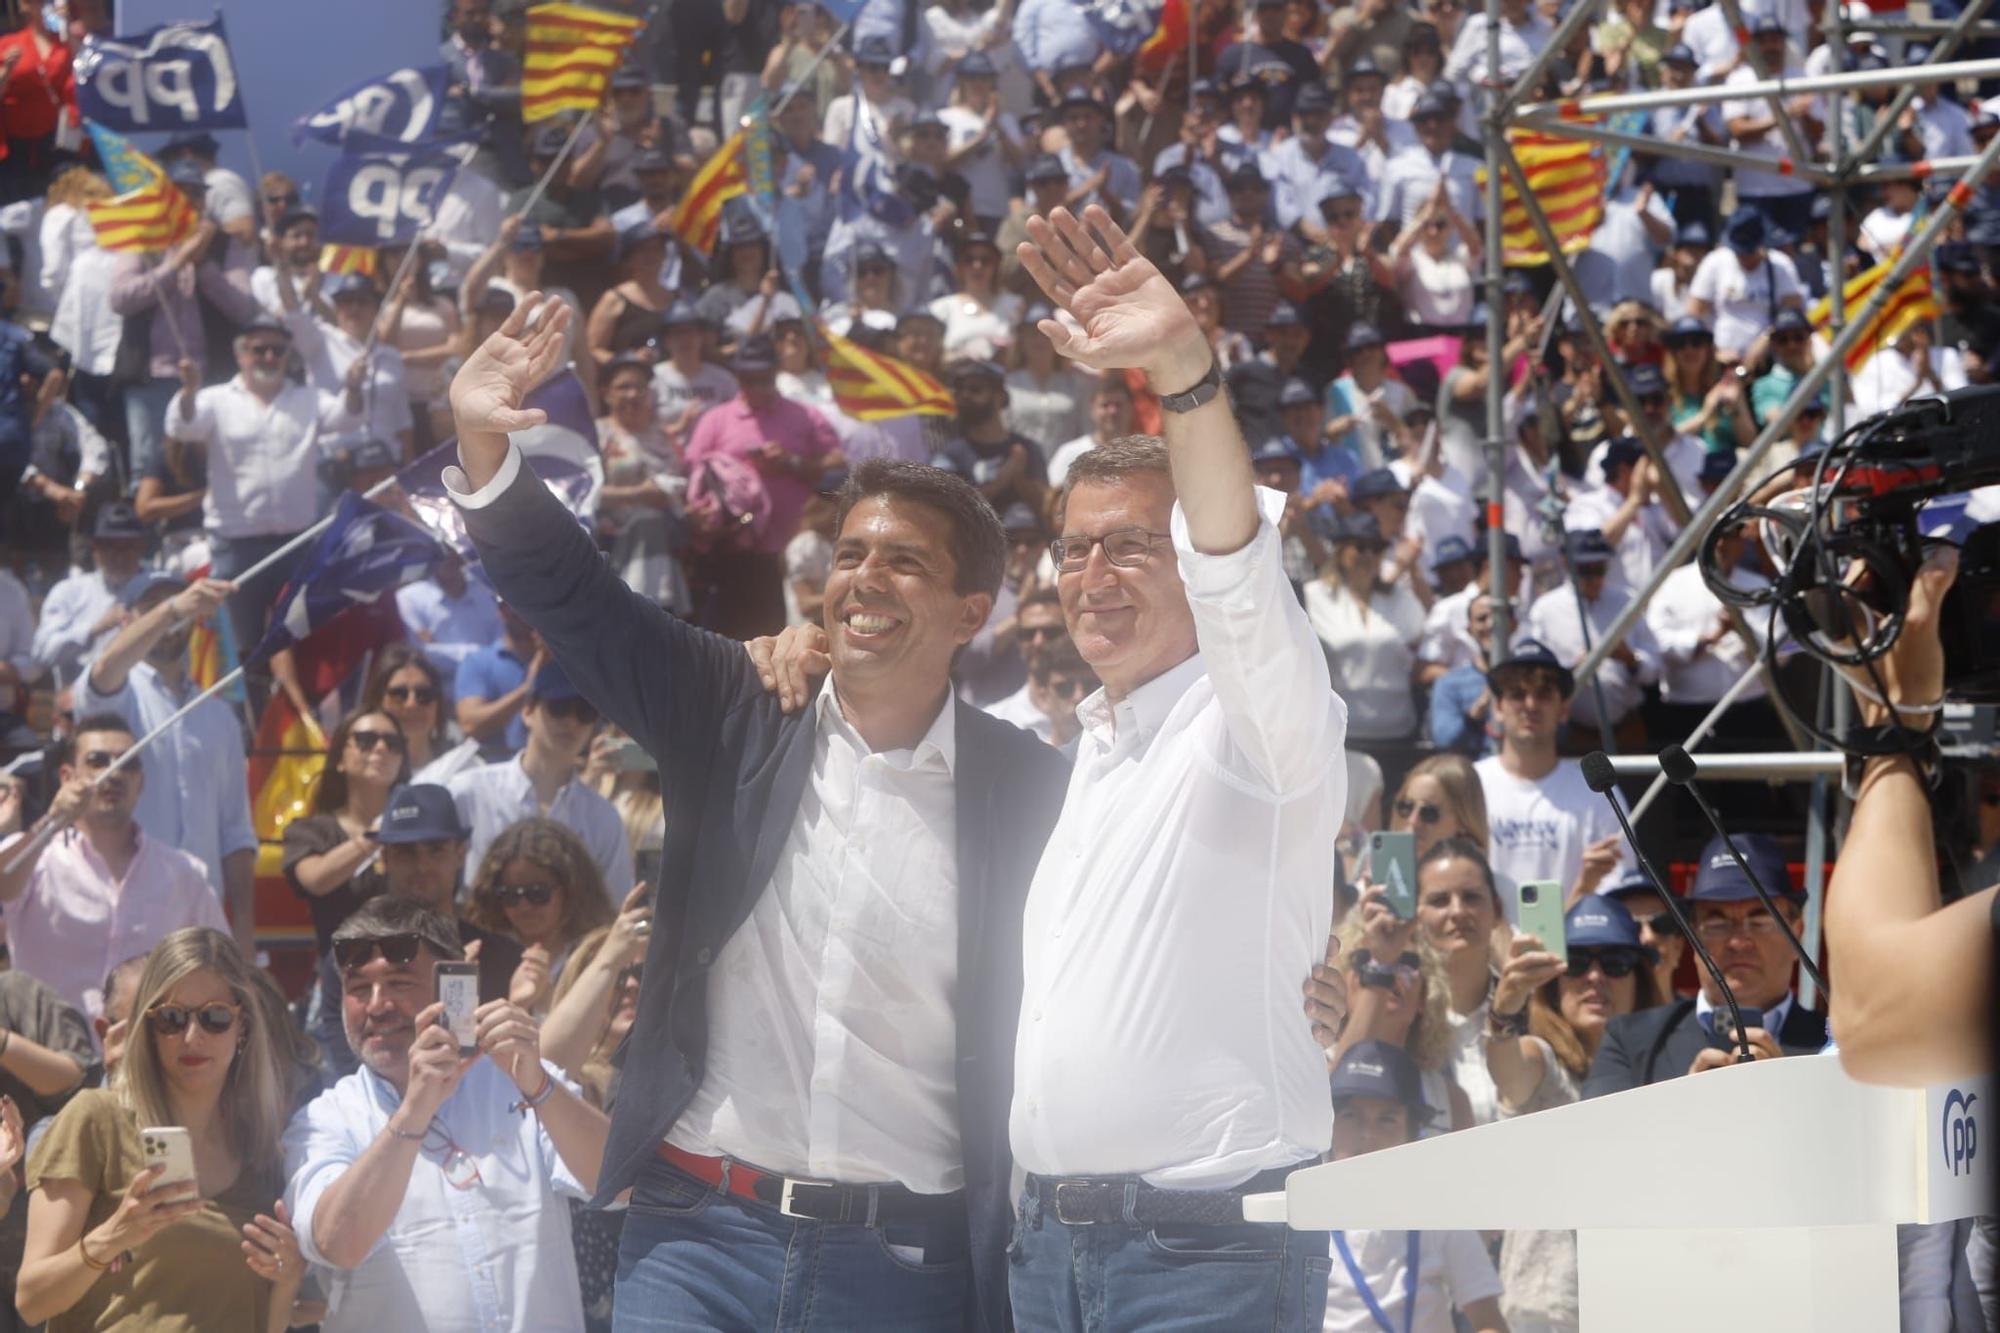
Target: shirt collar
939	743
1140	714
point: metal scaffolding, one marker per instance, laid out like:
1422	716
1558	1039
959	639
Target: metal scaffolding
1843	167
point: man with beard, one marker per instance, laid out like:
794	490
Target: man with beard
196	795
815	1094
294	260
1006	467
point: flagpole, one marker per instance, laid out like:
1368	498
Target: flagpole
306	536
794	85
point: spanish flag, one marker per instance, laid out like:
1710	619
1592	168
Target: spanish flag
1568	179
698	217
1168	41
348	259
1906	305
153	215
872	387
572	52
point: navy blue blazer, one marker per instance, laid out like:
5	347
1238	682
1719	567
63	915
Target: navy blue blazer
733	768
1660	1043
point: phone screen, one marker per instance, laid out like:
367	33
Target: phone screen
458	992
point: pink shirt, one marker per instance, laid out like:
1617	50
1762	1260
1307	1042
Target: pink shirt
74	923
734	428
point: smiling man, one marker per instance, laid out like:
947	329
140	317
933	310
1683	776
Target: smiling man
814	1107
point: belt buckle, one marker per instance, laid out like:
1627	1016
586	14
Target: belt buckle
1061	1217
785	1200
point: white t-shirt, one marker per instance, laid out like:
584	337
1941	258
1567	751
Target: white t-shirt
1438	291
1744	302
1452	1272
1770	144
1539	829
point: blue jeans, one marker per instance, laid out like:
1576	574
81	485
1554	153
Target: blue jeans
1102	1278
146	423
697	1259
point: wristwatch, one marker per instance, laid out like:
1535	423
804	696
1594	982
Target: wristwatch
1204	389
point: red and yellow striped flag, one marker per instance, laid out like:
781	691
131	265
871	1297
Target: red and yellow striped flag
572	52
1567	177
872	387
1906	305
348	259
156	216
698	217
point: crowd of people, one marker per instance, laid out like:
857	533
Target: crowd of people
750	950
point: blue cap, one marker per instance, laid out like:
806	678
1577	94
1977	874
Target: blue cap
1628	883
1276	449
1284	315
1791	320
977	65
117	521
1204	88
1746	230
740	228
1353	526
1687	327
1019	518
1718	879
199	141
629	77
1363	334
1383	1070
754	356
1767	26
972	368
1587	546
372	454
548	141
1296	393
187	172
1079	98
1716	467
928	120
1374	485
1364	67
145	581
1246	177
1450	551
1953	257
350	284
1694	234
1046	167
420	812
1430	104
1645	378
1314	97
552	684
529	237
680	315
1600	922
875	50
1533	653
1680	53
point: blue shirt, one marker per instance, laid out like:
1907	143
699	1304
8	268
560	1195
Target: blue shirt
489	673
1211	196
1300	179
1334	462
1451	729
1121	181
1053	33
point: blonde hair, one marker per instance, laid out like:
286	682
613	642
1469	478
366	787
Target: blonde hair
257	1098
1429	1041
1463	795
76	186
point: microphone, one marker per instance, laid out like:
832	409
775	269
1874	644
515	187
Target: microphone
1599	776
1678	766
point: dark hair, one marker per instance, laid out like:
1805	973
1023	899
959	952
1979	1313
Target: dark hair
387	914
1126	456
545	843
393	659
103	720
1043	596
330	791
1062	655
978	545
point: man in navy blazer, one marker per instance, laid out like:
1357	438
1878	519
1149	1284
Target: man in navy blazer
813	1112
1689	1036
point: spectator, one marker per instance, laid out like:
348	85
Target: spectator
1689	1036
742	260
576	233
979	318
516	263
215	1061
45	1058
609	146
1739	287
228	200
1366	405
685	385
1458	911
1005	467
1911	365
1049	400
1097	174
1052	35
620	770
1441	799
421	1136
295	252
1397	993
875	112
1414	173
198	800
1272	61
1694	188
1449	642
1369	633
39	101
1411	1279
492	683
1436	256
986	140
407	685
537	885
422	325
1701	653
1705	400
641	502
450	615
1546	824
1454	565
1110	419
804	32
1461	703
1547	1022
344	352
1625	510
1792	357
542	780
1781	198
1573	617
83	611
1658	930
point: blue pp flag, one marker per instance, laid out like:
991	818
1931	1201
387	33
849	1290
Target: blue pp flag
365	553
406	106
378	193
177	77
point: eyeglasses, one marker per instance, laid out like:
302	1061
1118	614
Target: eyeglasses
1425	812
281	200
366	741
266	351
171	1020
99	760
1069	687
1661	923
1685	341
395	949
511	895
411	694
1716	929
1128	548
573	710
1036	633
461	1171
1617	963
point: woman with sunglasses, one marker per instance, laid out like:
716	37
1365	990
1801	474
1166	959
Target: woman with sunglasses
1370	632
330	854
539	885
1706	398
1441	798
980	315
407	685
1546	1020
1436	257
108	1246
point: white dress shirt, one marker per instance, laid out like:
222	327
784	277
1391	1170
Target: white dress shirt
490	1259
832	1043
453	627
493	796
1539	829
1371	656
262	457
66	637
328	352
1680	613
1182	899
1645	540
197	792
1771	143
1888	379
1553	619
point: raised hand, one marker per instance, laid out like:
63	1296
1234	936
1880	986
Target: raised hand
487	392
1130	315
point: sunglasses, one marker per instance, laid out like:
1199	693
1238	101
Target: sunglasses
1617	963
512	895
1783	338
1344	215
411	694
267	351
1686	341
1424	811
1652	400
281	200
571	710
397	950
1660	923
1036	633
99	760
170	1020
365	741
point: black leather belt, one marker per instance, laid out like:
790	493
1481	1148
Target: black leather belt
817	1201
1099	1200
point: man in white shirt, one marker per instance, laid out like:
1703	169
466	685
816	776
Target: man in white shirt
1783	198
685	384
1058	678
451	615
1448	643
1740	286
197	797
295	257
1545	821
434	1185
345	345
1411	175
1627	513
542	781
1161	1070
1910	367
1702	657
83	611
1557	620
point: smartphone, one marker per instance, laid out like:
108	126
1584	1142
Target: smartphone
1724	1025
1392	863
1540	913
169	1146
458	992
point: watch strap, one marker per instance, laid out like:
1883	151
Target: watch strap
1203	390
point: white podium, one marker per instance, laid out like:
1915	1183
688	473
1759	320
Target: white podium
1756	1197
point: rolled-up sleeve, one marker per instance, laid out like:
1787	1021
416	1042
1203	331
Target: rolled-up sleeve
319	1147
1263	659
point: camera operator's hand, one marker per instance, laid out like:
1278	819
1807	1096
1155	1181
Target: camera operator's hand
1912	671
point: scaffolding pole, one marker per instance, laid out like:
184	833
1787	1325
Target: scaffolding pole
1501	596
1708	94
1886	121
1691	152
1788	125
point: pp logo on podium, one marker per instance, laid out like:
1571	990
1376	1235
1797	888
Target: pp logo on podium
1959	1133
